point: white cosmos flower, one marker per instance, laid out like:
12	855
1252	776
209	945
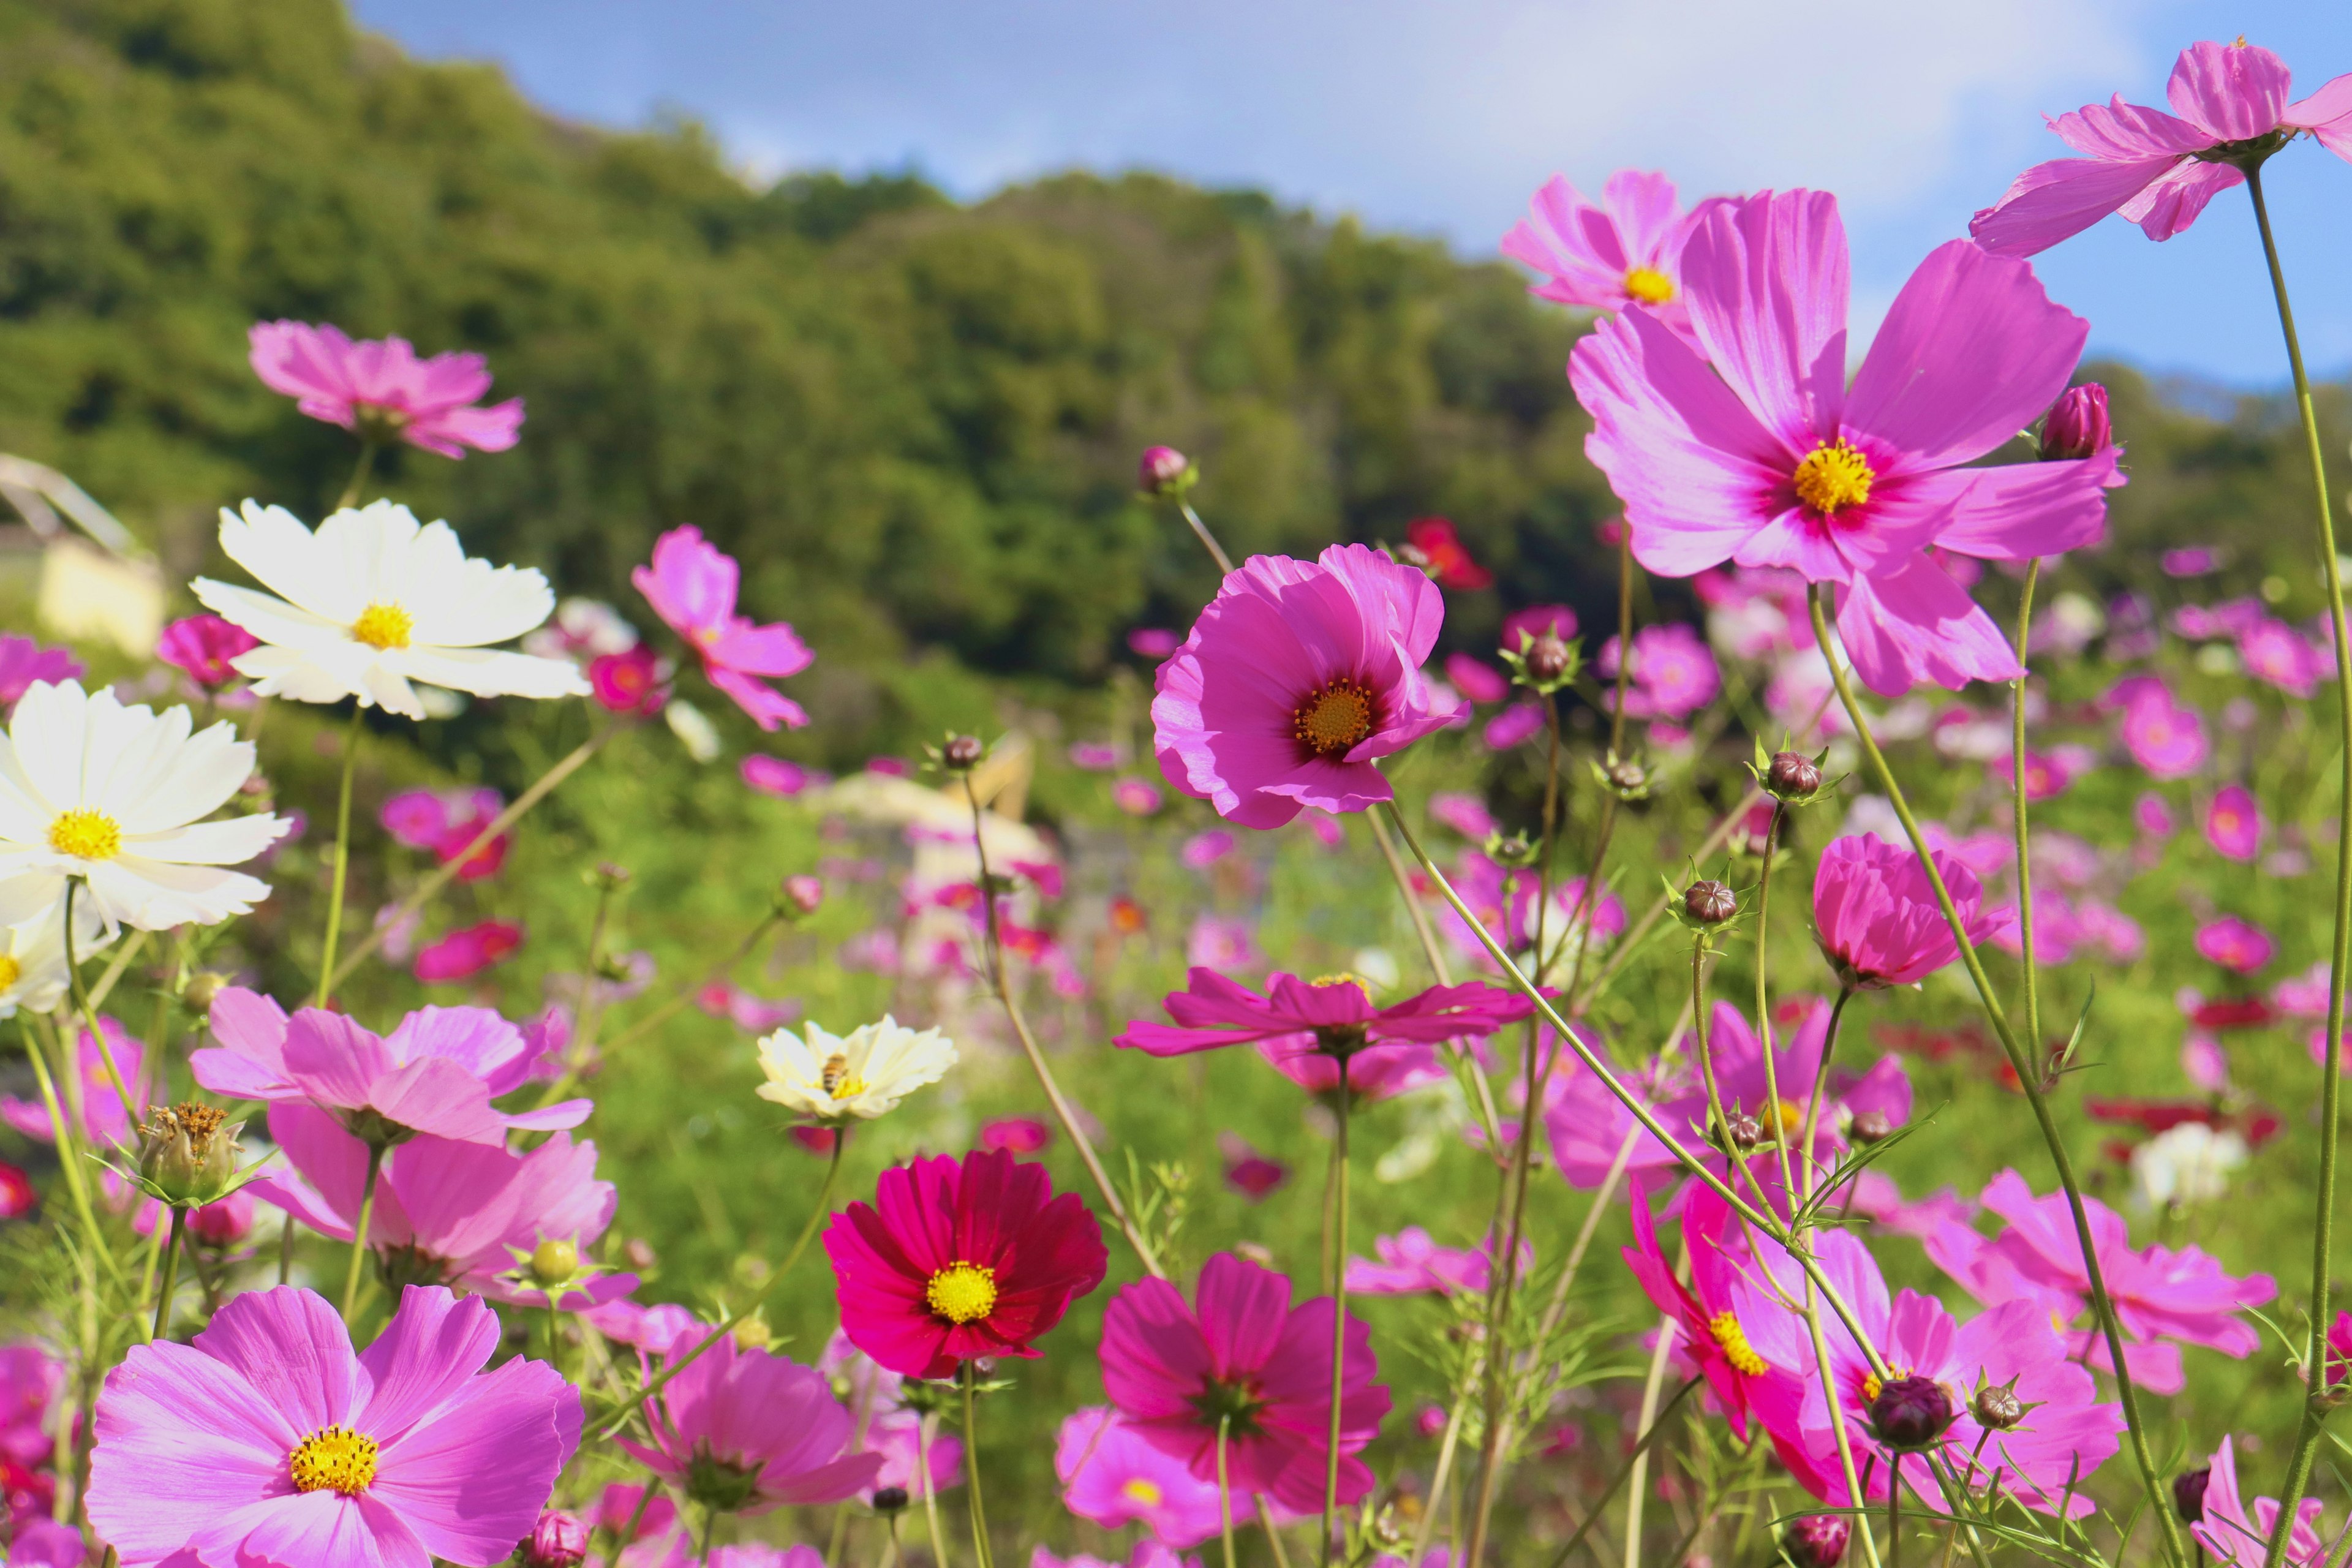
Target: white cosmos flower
116	796
375	600
864	1074
33	957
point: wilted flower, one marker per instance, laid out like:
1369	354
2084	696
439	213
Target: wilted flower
188	1153
865	1074
380	389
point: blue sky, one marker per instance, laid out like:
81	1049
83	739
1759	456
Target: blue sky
1440	116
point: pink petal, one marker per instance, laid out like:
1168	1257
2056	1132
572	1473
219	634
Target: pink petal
2231	90
308	1530
556	1117
290	1346
2059	199
1767	281
2171	202
2120	133
472	1481
153	1470
433	1345
1242	1308
250	1061
1647	213
1916	624
2026	510
2327	115
439	1097
332	1059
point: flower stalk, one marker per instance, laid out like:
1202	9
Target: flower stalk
2032	996
343	846
970	1375
1339	1317
360	1230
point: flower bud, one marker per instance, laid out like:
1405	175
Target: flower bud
1997	1406
1910	1413
607	876
2077	426
753	1334
554	1263
1745	1130
1870	1127
804	894
558	1541
1816	1540
1548	657
1163	471
199	989
225	1223
1626	776
1710	903
2188	1493
889	1500
963	753
188	1153
1513	851
1792	776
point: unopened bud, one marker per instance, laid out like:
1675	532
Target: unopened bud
1816	1540
201	987
608	877
1548	657
2188	1493
1163	470
889	1500
1626	775
188	1153
803	894
963	752
225	1223
554	1263
1745	1132
1997	1407
2077	426
639	1254
1793	776
1870	1127
1710	903
558	1541
753	1334
1514	851
1910	1413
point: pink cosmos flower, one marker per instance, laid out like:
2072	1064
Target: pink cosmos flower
1222	943
102	1122
1152	642
2234	823
25	664
467	951
1751	448
1148	1551
691	585
1625	251
2048	775
1296	679
633	682
1599	917
1137	797
1534	622
381	389
1673	674
2156	168
777	776
29	1379
2238	946
446	822
1877	918
2303	996
2152	815
202	646
961	1258
1248	1170
307	1453
17	1195
1709	1331
437	1073
2165	737
1464	813
1015	1135
2240	1539
1241	1352
1411	1263
743	1431
1112	1476
1513	726
1479	682
1094	756
42	1543
2273	651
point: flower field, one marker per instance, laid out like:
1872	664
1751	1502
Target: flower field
1837	1063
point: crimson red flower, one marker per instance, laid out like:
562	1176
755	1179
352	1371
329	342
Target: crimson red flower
1442	554
957	1259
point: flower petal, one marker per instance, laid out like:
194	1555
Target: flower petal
1916	624
1768	284
2059	199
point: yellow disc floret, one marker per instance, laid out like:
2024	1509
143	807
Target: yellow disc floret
333	1456
383	626
1333	717
1649	286
1833	477
1138	1489
11	971
86	834
963	1292
1729	1334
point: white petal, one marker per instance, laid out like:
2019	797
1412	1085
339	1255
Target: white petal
145	753
48	735
25	819
479	604
28	894
387	687
486	673
232	841
370	549
270	619
300	677
283	556
204	772
155	896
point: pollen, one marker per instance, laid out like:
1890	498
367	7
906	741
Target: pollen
86	834
10	971
837	1081
1791	1120
1833	477
1138	1489
1649	286
963	1292
1871	1387
333	1456
1733	1338
1331	719
383	626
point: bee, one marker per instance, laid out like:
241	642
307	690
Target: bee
831	1075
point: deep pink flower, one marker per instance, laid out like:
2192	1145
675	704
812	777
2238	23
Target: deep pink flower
29	1381
42	1543
1137	797
2153	816
2048	775
1476	681
1673	674
1709	1331
1599	917
203	645
2156	168
1015	1135
957	1260
1442	554
1306	1029
1297	677
1625	251
25	664
467	951
437	1073
1464	813
743	1431
1113	1476
1411	1263
1513	726
2164	736
691	585
2273	651
2234	823
2235	944
629	682
1152	642
776	775
1765	457
1248	1170
267	1440
380	388
2303	996
1877	918
103	1124
18	1197
1242	1352
2236	1538
445	821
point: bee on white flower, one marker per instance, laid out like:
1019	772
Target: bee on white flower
862	1075
115	797
373	601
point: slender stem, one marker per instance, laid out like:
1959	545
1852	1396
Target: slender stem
1821	1080
1226	1487
350	496
170	1275
930	1492
1624	634
1838	1431
286	1250
1339	1318
972	1468
1272	1533
69	1153
2315	1405
677	999
570	763
89	1019
1426	1531
2029	1077
637	1516
592	996
360	1230
1490	1118
709	1523
1062	1112
2018	810
1779	1122
1656	1424
342	854
1638	1470
1208	540
1894	1510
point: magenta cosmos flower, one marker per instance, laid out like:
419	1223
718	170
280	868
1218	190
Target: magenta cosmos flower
957	1260
2238	1538
1751	448
1877	919
437	1073
2229	101
266	1440
464	953
1112	1476
1241	1353
2238	946
1705	1312
203	646
691	585
381	390
1412	1264
102	1122
2163	735
25	664
743	1431
2234	823
1673	674
1297	677
1624	250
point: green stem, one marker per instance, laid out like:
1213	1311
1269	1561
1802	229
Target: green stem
2029	1077
972	1468
350	496
360	1230
930	1492
2018	810
171	1274
89	1018
1339	1318
343	856
1489	1117
1624	633
1208	540
286	1250
709	1523
1839	1434
69	1165
1821	1080
2316	1403
1894	1512
1778	1122
674	1002
1641	1451
1637	1497
1226	1487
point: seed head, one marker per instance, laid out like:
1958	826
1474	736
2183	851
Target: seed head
1998	1407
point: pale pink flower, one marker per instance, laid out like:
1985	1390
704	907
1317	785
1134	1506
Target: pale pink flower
1623	251
2234	823
691	585
381	389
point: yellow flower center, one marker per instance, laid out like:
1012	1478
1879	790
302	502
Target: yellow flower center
1649	286
1141	1490
1871	1387
1833	477
963	1292
837	1081
1791	1120
1733	1338
10	971
333	1456
1333	718
86	834
383	626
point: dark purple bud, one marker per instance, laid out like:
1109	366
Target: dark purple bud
558	1541
1163	470
1911	1413
1793	776
1548	657
1869	1127
1816	1540
1710	903
1998	1407
963	752
889	1500
2077	426
2188	1493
